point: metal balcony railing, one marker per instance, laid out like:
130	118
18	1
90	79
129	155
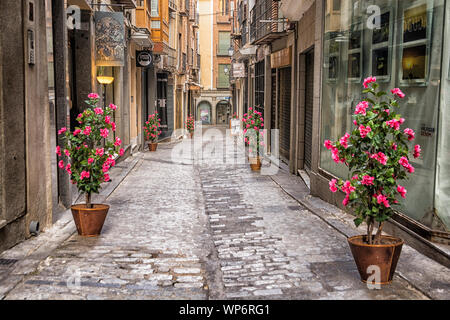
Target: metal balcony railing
265	20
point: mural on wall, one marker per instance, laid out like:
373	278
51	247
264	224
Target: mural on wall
109	38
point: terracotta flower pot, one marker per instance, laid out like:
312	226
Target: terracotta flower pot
89	221
255	163
152	146
385	256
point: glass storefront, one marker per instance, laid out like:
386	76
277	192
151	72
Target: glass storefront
401	43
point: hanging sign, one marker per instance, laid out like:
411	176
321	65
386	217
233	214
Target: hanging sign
144	59
109	39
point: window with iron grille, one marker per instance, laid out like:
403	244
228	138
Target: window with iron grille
223	78
259	87
224	43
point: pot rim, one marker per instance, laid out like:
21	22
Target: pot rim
82	206
398	243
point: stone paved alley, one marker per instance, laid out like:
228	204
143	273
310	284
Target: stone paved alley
179	230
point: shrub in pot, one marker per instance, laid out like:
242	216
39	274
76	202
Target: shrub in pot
88	161
190	126
152	130
377	155
253	123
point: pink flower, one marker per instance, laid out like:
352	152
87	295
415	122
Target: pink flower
118	142
77	131
382	199
398	92
394	146
106	177
107	119
402	191
84	174
335	154
355	122
98	110
68	168
93	96
105	167
332	184
348	188
121	152
361	107
113	106
410	133
404	162
355	177
344	140
367	180
58	150
364	130
387	111
104	133
90	160
382	158
66	152
113	125
87	130
328	144
417	151
346	200
369	80
62	130
61	164
99	151
394	123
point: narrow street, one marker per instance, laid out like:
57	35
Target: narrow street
178	230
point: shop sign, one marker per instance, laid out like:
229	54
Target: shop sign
238	70
143	58
109	39
282	58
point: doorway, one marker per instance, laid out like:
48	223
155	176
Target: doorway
223	112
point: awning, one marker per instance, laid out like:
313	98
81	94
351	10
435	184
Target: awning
294	9
141	37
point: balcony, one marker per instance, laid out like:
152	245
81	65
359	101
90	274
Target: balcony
127	4
172	5
265	24
184	10
143	19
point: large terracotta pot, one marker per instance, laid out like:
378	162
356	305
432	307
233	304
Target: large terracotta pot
255	163
89	221
152	146
385	256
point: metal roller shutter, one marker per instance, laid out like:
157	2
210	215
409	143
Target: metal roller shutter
309	102
284	111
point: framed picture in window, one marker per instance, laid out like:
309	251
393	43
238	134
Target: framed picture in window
332	58
415	42
354	52
381	46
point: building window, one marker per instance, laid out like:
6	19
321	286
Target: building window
224	43
224	7
400	54
259	87
223	79
154	11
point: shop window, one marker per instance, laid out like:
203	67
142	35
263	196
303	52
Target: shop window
400	53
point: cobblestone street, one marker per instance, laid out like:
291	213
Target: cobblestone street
207	230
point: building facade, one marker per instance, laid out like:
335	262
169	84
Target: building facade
302	63
214	106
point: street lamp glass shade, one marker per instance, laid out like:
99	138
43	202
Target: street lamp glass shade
230	51
105	79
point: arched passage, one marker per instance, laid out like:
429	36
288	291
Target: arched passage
223	112
204	112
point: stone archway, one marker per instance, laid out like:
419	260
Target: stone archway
223	112
204	112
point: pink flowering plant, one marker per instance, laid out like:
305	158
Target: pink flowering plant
253	123
88	161
152	127
190	126
377	155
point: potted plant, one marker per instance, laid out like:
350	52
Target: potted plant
190	126
377	155
152	130
88	161
253	136
234	117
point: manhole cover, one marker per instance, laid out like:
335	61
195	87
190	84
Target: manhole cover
7	262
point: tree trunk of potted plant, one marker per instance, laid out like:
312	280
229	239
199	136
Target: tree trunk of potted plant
377	155
88	163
